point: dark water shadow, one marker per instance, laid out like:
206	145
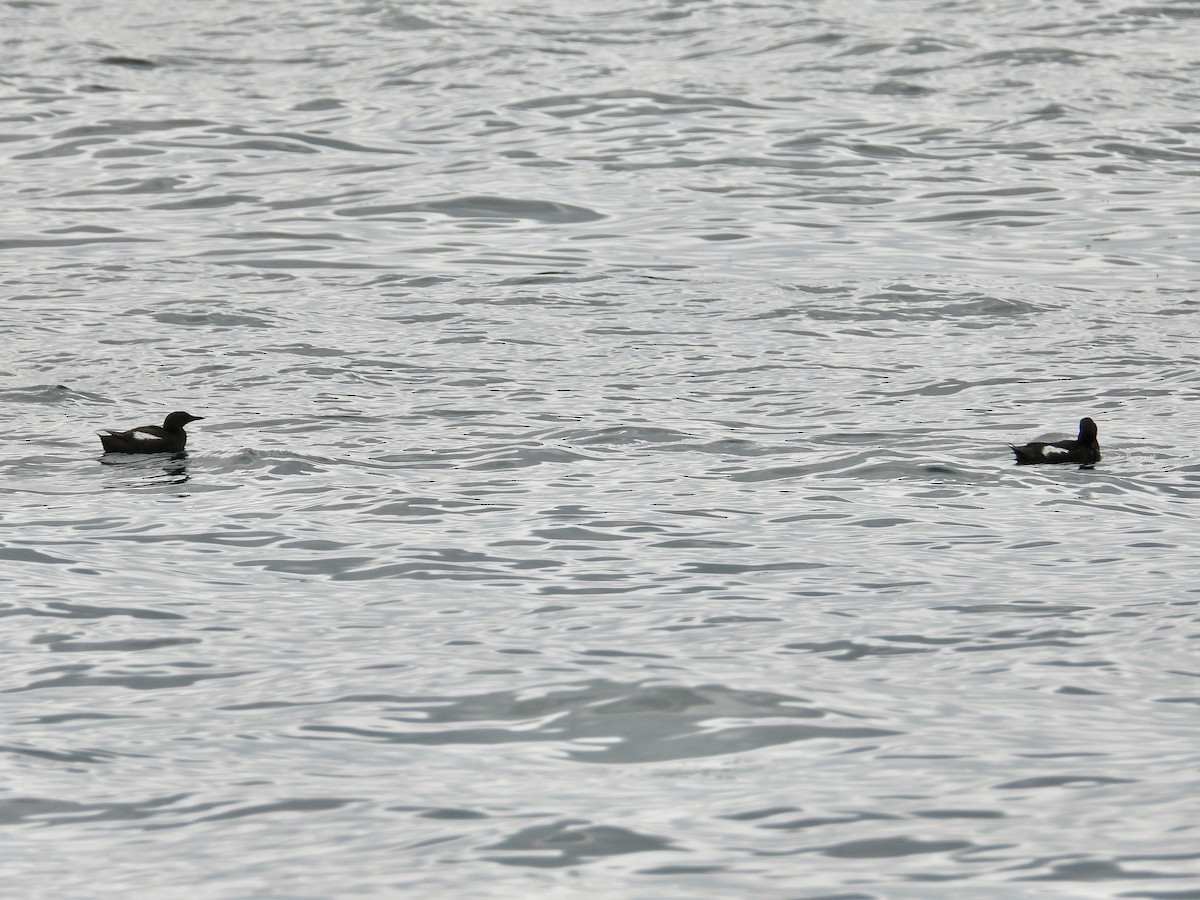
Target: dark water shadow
151	468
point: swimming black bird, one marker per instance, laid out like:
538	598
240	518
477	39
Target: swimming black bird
1084	450
170	438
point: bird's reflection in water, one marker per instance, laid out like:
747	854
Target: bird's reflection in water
155	469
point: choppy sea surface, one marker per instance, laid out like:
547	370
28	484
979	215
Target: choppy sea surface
603	488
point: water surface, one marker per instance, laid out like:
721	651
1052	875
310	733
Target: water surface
604	486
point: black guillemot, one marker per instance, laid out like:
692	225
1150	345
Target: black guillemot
169	438
1084	450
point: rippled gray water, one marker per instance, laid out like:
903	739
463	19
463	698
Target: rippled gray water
603	489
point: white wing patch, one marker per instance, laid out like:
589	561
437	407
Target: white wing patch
147	436
1055	451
